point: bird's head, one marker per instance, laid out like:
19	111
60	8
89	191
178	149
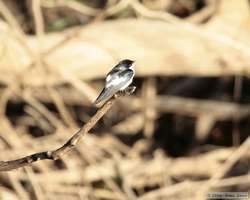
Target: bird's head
127	63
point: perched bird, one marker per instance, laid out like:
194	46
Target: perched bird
118	79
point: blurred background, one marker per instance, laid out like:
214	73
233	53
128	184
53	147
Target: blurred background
182	134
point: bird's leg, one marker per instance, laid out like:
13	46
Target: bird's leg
129	90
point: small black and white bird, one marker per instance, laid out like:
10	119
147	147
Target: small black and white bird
118	79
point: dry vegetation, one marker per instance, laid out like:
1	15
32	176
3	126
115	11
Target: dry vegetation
183	133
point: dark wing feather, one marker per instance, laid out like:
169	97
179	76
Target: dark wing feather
104	95
114	70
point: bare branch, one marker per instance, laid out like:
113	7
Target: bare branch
70	144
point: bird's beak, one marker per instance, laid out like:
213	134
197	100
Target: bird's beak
133	63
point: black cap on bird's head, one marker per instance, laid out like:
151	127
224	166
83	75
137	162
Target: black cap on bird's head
126	63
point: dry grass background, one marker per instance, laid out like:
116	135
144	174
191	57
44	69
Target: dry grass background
53	78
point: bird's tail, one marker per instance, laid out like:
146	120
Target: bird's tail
103	97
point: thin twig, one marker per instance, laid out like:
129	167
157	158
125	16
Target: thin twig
62	109
149	93
69	145
38	18
238	81
74	5
16	28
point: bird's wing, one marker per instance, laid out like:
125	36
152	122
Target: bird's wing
105	94
113	73
119	78
114	83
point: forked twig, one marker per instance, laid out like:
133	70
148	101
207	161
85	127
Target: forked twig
70	144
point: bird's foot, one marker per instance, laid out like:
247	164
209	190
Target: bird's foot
128	91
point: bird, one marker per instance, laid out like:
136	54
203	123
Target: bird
118	79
